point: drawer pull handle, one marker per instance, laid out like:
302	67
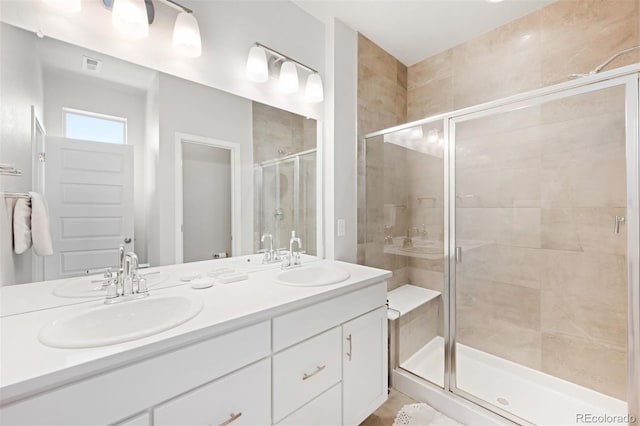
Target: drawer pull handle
318	369
233	418
350	347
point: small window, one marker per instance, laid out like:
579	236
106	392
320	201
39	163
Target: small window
90	126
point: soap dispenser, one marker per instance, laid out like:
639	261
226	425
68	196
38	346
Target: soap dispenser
295	255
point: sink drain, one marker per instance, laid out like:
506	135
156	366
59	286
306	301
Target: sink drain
503	401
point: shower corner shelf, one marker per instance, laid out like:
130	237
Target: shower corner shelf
406	298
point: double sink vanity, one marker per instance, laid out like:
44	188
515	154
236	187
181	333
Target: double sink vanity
303	346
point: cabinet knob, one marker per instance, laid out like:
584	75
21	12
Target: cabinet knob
232	418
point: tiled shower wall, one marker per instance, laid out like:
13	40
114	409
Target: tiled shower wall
382	103
539	305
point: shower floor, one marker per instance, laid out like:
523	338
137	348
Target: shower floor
529	394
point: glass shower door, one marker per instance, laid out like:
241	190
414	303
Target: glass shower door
539	263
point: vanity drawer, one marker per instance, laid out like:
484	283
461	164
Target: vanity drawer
242	398
304	371
294	327
325	410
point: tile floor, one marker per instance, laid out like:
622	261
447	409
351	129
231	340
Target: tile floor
386	414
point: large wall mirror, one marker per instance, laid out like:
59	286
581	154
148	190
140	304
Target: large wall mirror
177	171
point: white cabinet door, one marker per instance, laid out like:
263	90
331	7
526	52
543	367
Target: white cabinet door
364	366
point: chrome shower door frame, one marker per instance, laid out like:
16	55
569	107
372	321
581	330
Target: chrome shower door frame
534	98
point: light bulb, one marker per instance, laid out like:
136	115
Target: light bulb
186	35
313	91
130	17
257	67
65	5
289	77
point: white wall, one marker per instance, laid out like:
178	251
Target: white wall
340	142
207	201
20	87
345	138
71	90
229	28
188	107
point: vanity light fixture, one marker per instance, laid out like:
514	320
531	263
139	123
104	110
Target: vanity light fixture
133	18
262	58
288	81
257	67
186	35
130	17
313	92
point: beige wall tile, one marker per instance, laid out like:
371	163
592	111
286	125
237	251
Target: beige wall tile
584	316
600	276
509	304
417	328
516	149
595	365
513	343
584	34
437	67
588	229
503	264
499	187
431	98
519	227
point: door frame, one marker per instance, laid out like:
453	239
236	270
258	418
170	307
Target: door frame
38	162
236	188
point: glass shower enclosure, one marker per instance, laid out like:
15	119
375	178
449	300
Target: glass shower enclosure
512	227
285	191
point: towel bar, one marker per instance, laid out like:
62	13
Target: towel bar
16	195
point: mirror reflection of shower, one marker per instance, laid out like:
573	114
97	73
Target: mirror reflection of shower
287	199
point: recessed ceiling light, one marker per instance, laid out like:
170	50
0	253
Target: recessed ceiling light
494	1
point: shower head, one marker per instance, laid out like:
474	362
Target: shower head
600	67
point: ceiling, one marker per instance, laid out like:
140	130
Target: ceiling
414	30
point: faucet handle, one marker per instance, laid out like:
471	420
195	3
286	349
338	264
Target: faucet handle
142	286
112	290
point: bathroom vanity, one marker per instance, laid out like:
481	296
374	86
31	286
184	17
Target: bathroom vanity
260	352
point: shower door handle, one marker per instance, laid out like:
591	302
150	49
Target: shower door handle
458	254
616	225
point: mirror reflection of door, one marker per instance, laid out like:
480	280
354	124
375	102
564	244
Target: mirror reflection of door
90	197
206	189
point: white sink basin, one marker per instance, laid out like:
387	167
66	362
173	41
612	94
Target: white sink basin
86	287
120	322
312	276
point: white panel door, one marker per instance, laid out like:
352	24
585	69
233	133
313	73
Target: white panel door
364	366
90	197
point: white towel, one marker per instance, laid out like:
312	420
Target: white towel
7	269
21	226
40	231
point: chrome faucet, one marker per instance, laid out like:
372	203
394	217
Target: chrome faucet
127	284
407	241
293	257
268	253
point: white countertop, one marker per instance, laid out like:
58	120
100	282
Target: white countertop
28	367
